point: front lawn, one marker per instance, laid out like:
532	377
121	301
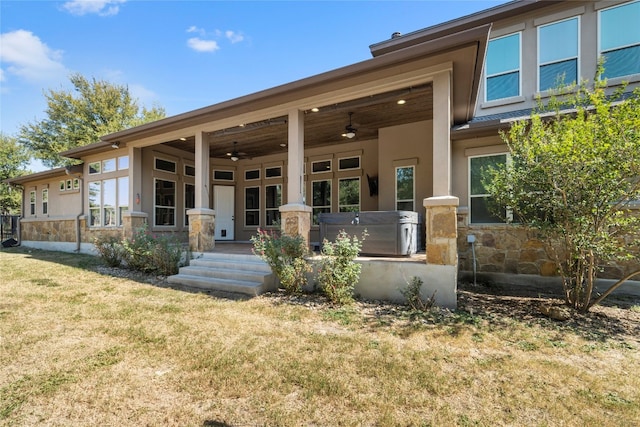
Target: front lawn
80	345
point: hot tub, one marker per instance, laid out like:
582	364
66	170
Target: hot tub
390	233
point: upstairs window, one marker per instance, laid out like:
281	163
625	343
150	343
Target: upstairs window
619	40
503	68
558	54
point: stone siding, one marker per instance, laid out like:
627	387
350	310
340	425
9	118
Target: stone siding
513	250
62	230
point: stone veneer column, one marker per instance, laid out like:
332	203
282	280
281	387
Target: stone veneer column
296	219
441	230
201	229
132	221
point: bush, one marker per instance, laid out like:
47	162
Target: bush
147	253
412	295
338	272
286	255
110	249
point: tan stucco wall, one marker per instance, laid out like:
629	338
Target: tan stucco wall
528	24
405	145
61	203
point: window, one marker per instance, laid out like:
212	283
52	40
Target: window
349	195
109	203
108	200
165	203
108	165
273	200
69	184
252	175
94	168
95	202
619	39
76	184
62	186
479	198
321	166
189	170
321	198
165	165
274	172
189	200
220	175
558	54
251	206
32	202
123	197
123	162
45	201
404	188
349	163
503	68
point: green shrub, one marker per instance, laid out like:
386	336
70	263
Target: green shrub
286	255
110	249
412	295
150	254
338	272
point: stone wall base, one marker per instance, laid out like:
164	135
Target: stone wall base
201	229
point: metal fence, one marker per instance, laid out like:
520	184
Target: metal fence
9	227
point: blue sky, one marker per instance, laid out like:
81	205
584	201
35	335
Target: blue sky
184	55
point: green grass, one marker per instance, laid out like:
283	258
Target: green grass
81	348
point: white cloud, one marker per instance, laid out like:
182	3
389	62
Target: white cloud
146	96
200	45
28	57
233	36
194	29
100	7
2	78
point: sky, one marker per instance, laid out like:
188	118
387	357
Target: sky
184	55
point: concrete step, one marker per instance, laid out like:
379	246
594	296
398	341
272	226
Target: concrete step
215	284
240	273
229	272
236	264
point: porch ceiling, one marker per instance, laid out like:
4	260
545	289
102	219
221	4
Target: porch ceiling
324	127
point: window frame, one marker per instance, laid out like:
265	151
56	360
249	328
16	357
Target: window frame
340	159
253	210
252	170
186	205
504	73
539	64
326	170
232	172
601	52
273	209
165	159
32	202
45	201
320	208
340	205
156	206
482	195
413	185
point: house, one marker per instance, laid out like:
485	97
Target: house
407	130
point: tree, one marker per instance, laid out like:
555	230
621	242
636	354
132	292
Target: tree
13	160
96	108
573	174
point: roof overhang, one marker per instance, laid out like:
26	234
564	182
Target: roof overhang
463	52
487	16
48	174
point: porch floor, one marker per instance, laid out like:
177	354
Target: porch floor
235	247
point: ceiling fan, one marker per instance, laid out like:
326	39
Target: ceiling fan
235	154
349	130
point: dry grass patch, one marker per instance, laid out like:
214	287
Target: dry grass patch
81	347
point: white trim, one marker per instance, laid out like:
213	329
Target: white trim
155	166
322	161
252	170
348	158
413	186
